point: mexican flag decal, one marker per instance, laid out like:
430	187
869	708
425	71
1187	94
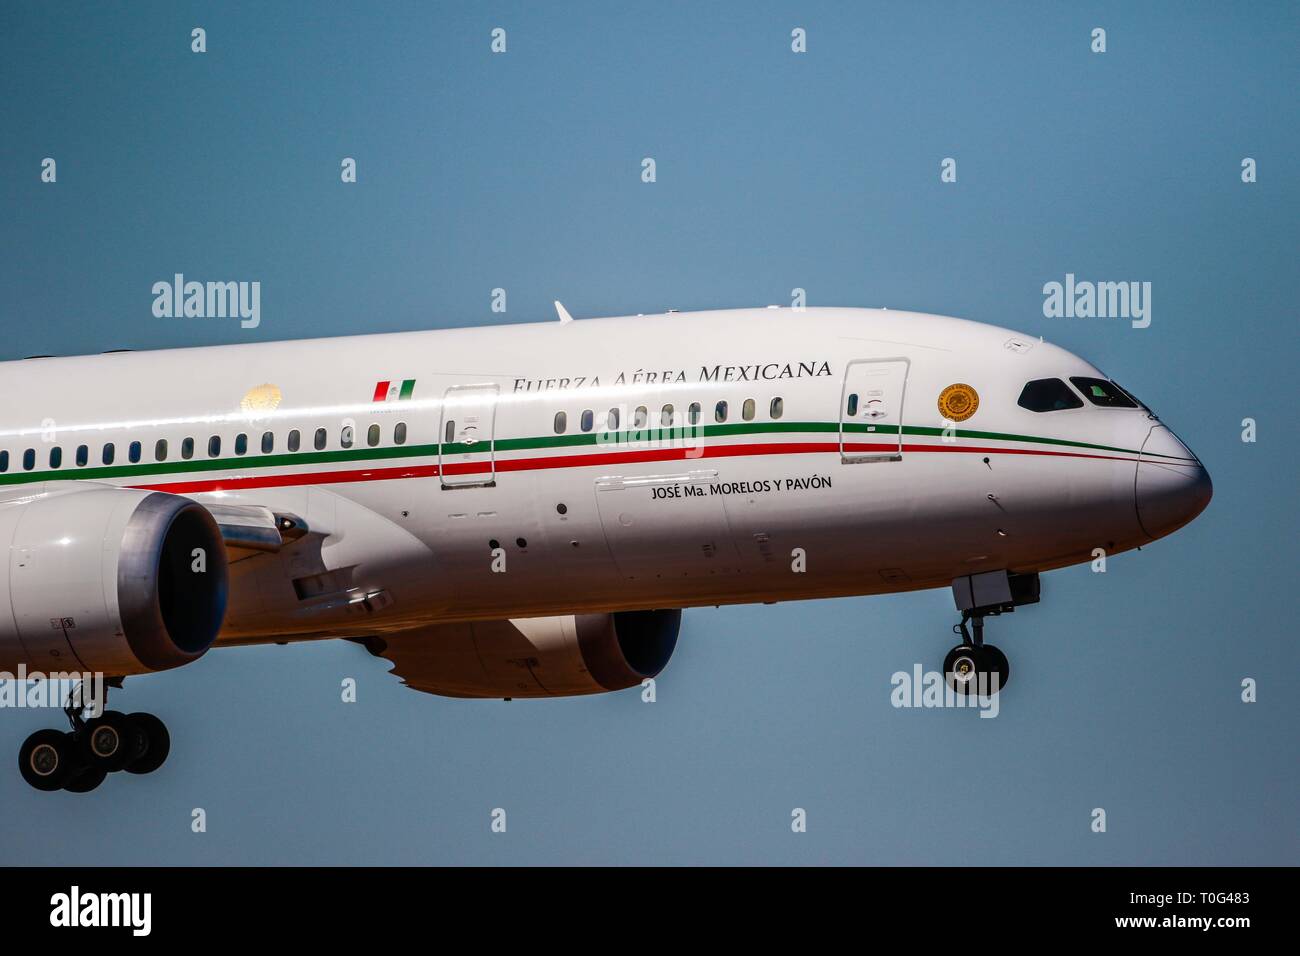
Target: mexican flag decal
394	391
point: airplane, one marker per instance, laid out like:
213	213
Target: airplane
525	510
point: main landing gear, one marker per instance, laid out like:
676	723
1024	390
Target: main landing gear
78	760
973	667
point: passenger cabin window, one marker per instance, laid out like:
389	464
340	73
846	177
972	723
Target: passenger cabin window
56	456
777	408
109	454
449	433
160	450
268	442
372	436
214	446
851	408
611	421
720	412
295	440
399	433
588	420
1048	395
241	444
4	460
320	438
747	410
29	459
640	417
133	452
693	413
1103	393
561	422
83	456
345	436
666	416
187	448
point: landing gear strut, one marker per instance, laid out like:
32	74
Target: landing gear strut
973	667
78	760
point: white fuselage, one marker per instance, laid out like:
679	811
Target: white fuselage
832	470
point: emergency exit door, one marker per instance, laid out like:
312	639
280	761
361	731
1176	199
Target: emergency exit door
466	437
871	410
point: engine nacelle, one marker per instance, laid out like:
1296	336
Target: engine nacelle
105	579
534	657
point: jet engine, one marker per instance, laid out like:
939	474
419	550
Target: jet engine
107	579
533	657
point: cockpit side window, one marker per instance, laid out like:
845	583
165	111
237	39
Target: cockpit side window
1140	403
1103	393
1048	395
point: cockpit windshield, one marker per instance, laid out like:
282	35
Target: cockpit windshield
1048	395
1101	392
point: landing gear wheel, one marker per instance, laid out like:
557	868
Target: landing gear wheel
154	743
87	780
46	759
110	741
961	668
976	669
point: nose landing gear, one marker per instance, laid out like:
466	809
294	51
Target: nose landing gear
78	760
973	667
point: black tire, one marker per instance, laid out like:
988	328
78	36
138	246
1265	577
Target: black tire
110	741
998	665
87	780
157	743
47	759
961	669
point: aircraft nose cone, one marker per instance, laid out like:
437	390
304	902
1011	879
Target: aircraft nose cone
1172	486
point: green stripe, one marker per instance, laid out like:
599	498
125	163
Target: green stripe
620	438
750	428
1004	436
408	389
221	464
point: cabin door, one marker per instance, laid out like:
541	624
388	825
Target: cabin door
466	437
871	410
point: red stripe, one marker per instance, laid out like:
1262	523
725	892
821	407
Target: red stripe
579	461
381	391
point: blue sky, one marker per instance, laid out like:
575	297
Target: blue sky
775	170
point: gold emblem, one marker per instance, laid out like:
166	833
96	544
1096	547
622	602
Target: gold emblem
958	402
260	400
